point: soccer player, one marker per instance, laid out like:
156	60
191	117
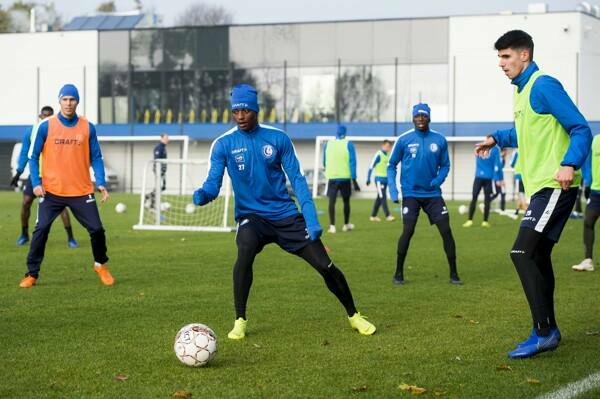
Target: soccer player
258	158
339	159
379	164
160	152
553	140
425	165
521	199
63	147
486	170
591	176
28	195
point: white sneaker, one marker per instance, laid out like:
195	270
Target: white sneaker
374	219
331	229
390	218
348	227
481	207
586	265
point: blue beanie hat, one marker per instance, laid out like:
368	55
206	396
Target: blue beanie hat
421	108
341	132
244	97
69	90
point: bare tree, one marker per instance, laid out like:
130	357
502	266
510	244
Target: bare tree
107	6
202	14
4	20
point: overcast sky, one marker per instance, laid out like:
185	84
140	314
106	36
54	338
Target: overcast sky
257	11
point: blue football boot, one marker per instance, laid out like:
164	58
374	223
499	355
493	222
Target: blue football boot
537	345
533	336
72	243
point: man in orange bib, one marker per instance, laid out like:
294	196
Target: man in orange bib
67	146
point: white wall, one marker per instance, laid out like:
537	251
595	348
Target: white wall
482	91
60	57
589	68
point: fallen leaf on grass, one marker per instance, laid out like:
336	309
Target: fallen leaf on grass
121	377
504	367
439	393
257	346
325	343
457	358
473	322
182	395
415	390
362	388
533	381
458	316
592	332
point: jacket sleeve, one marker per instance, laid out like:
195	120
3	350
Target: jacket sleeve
26	143
395	158
96	159
38	139
216	170
444	165
352	152
325	155
374	162
506	138
549	97
292	169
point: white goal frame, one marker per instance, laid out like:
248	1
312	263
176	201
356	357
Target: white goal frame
157	225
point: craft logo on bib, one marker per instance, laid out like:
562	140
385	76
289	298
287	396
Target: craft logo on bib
433	147
267	151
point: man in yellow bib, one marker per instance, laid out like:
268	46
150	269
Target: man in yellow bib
554	141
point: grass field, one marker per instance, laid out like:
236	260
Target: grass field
69	337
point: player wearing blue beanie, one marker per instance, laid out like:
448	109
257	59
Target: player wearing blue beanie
258	158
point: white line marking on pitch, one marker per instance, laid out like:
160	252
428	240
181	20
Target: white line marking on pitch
575	388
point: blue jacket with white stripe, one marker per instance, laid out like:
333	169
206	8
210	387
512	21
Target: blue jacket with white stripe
491	167
257	163
23	155
425	164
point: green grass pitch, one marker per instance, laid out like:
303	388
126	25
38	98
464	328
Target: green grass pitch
69	336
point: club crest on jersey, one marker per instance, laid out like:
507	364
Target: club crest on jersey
267	151
239	158
433	147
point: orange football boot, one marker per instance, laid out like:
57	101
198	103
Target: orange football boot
28	282
104	274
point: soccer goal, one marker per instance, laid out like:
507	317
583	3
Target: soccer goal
168	205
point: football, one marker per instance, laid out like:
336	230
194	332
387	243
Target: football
120	207
190	208
195	345
165	206
462	209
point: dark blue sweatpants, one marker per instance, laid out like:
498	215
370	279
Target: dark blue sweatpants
85	211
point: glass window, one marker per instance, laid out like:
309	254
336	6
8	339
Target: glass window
354	42
367	93
146	49
147	96
179	48
269	83
282	43
113	50
212	47
212	89
317	44
311	94
426	83
246	45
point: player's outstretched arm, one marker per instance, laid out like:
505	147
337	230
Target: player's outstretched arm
38	138
444	166
211	187
290	164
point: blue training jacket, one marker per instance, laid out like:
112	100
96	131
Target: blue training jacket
257	163
40	138
374	162
352	160
26	143
425	164
549	97
491	167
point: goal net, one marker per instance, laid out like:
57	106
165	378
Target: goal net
166	198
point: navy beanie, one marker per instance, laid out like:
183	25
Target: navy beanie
341	132
244	96
69	90
423	109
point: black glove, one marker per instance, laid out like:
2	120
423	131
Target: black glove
355	184
15	180
586	192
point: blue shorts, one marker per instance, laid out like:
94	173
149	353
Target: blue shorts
289	233
28	188
549	210
434	207
594	201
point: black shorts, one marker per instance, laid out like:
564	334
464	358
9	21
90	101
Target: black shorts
480	183
343	186
521	186
289	233
594	201
28	188
434	207
549	210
